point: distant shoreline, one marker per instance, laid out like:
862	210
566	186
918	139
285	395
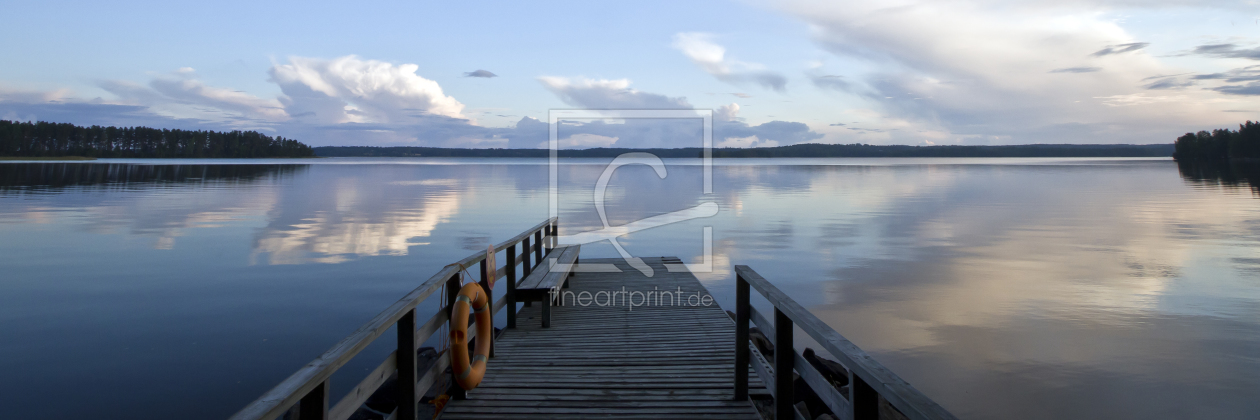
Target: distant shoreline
793	151
46	158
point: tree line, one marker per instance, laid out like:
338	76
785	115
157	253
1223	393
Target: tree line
1220	144
38	139
793	151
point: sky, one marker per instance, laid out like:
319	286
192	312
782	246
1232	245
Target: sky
486	74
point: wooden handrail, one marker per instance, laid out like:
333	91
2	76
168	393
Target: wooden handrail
868	379
309	385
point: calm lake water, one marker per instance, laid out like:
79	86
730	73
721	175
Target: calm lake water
1001	288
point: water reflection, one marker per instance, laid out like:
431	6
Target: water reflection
1232	174
54	176
353	229
1003	288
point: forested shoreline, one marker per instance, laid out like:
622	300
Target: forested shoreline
793	151
40	139
1220	144
45	139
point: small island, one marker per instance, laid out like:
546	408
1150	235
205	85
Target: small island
1222	157
1220	144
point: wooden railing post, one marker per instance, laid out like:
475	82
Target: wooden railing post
783	366
547	236
510	273
452	292
314	406
486	272
538	247
407	366
555	234
526	252
741	338
864	398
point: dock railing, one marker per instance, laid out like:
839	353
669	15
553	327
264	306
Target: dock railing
868	379
304	395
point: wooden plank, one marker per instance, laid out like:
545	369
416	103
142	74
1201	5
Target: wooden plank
628	361
897	391
762	323
535	276
549	278
612	345
601	393
602	415
829	395
472	404
594	410
431	326
432	375
762	367
619	362
361	392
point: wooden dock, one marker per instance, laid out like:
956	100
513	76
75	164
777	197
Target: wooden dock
627	356
614	360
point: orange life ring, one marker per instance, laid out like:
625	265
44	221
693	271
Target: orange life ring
471	298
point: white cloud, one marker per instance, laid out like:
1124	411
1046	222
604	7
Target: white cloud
1135	99
750	141
711	57
350	89
340	101
1023	72
180	95
349	101
25	95
195	92
607	94
727	112
632	132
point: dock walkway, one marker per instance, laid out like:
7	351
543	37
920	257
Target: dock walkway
609	359
658	349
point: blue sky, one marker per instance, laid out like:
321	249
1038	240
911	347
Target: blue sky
393	73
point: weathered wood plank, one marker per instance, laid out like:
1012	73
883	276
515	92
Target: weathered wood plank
825	391
616	361
432	375
762	366
604	415
361	392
